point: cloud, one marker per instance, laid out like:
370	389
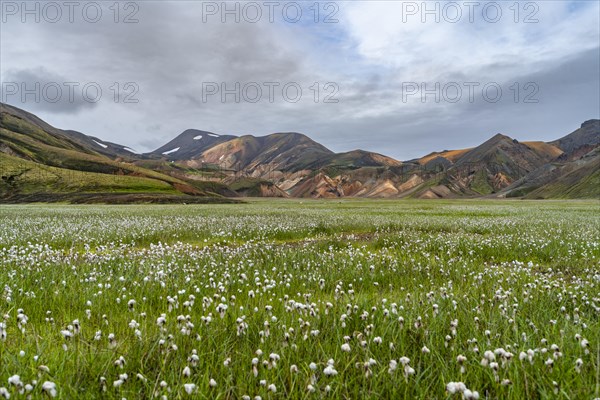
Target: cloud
38	89
172	53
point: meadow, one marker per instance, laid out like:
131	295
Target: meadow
290	299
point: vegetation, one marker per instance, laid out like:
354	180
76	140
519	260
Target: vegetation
301	299
23	177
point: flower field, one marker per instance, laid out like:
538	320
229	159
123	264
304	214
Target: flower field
301	300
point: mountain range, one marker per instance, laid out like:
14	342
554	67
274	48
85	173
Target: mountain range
39	162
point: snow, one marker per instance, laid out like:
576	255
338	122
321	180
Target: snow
198	137
171	151
130	149
213	135
100	144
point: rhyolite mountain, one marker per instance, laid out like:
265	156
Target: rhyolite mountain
38	161
189	144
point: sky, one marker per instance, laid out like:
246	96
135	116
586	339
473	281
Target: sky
401	78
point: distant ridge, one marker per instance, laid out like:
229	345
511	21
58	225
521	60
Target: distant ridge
289	164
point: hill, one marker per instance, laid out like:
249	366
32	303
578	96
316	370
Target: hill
39	158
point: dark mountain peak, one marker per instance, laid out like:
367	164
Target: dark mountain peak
195	132
291	136
190	143
580	141
591	123
499	137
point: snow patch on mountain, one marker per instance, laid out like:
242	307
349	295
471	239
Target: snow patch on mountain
166	153
100	144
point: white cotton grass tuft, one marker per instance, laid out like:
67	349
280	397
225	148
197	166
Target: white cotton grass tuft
459	387
49	388
189	388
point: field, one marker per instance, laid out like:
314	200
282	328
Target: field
301	300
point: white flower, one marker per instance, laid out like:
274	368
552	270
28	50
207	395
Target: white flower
49	388
212	383
66	334
272	388
455	387
578	364
186	371
393	366
346	347
451	388
470	395
330	371
15	380
189	388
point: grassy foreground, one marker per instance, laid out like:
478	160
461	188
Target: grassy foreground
301	300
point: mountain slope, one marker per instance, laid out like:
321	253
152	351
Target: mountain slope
578	178
278	151
189	144
580	141
485	169
17	120
37	157
572	174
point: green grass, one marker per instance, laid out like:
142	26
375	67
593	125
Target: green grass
528	272
25	177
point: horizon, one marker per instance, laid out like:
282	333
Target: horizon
401	79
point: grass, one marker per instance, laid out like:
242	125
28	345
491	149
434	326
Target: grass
23	176
299	279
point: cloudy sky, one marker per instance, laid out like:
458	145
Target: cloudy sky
396	77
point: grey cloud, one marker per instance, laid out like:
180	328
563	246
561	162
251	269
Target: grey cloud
170	53
38	89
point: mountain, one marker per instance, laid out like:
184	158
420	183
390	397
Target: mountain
256	155
493	165
573	173
581	141
189	144
41	162
37	159
21	121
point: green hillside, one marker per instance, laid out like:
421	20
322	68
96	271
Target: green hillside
37	159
